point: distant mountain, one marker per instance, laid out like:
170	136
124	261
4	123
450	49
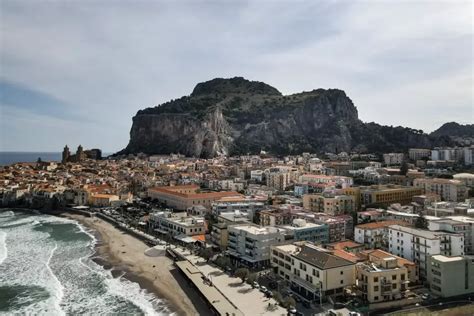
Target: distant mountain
454	129
238	116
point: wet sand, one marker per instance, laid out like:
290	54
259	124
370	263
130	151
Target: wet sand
125	253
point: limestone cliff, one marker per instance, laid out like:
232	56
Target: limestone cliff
238	116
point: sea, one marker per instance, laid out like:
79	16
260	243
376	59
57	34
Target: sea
10	157
47	268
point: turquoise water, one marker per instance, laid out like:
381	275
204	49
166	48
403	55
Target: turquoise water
46	269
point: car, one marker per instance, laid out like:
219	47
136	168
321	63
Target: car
255	285
263	289
292	311
425	296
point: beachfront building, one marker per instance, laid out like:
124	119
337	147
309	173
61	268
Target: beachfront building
250	244
220	232
418	244
382	277
312	271
451	275
182	197
175	224
448	189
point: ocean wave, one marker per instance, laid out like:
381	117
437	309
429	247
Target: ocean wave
7	214
58	258
3	247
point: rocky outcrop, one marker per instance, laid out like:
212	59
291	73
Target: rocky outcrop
238	116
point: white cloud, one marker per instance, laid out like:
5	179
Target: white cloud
112	59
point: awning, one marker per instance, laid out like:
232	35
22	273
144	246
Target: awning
185	239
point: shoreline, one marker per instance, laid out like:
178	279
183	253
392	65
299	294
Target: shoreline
124	255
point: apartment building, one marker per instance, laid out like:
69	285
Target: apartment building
384	195
313	272
451	275
220	231
448	189
374	235
393	159
458	225
340	181
182	197
331	204
382	277
177	224
418	153
301	230
417	244
250	244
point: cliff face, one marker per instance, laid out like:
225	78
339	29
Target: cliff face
237	116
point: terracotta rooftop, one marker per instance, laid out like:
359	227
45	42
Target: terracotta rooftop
376	225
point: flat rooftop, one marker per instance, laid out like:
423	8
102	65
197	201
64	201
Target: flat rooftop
442	258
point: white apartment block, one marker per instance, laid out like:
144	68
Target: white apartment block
393	158
374	235
251	244
177	224
418	153
312	271
448	189
417	244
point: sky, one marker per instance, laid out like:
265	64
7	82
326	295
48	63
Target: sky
76	72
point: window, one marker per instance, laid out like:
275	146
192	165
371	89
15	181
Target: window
376	298
394	286
376	279
402	277
342	281
394	277
376	288
342	272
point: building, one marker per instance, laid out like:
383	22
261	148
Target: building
80	155
103	200
418	244
331	204
313	272
340	181
384	195
279	180
250	244
219	231
448	189
301	230
182	197
418	153
374	235
393	159
468	155
466	178
463	226
451	275
383	277
175	224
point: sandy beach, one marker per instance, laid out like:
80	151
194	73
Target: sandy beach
125	253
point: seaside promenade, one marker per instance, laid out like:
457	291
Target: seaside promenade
227	295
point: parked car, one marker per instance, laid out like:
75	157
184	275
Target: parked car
425	296
263	289
255	285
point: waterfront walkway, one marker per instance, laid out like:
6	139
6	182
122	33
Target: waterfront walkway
228	295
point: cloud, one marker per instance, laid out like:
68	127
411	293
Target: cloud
402	63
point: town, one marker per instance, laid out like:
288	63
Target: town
341	233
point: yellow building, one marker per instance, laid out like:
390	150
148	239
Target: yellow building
383	277
384	195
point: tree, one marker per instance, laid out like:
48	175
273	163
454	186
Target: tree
242	273
251	278
404	168
289	302
277	296
421	222
206	253
223	262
